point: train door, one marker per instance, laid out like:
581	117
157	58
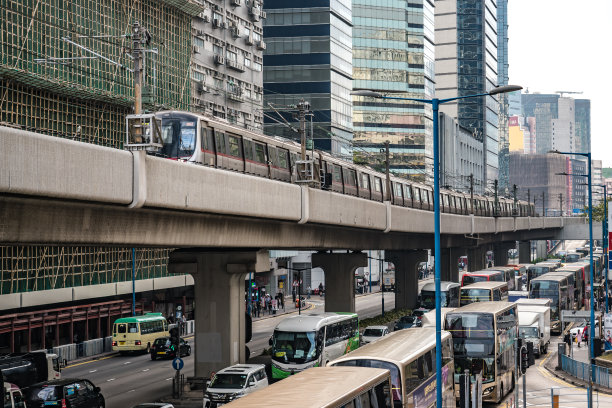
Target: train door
350	181
364	185
408	201
207	146
398	197
221	149
235	154
284	172
377	189
336	171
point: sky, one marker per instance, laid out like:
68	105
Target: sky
562	45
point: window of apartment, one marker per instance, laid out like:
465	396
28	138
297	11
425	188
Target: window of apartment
247	62
257	66
217	16
256	36
217	50
230	55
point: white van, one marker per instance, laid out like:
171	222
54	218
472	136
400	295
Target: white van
234	382
11	394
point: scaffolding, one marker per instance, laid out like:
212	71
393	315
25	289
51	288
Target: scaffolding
66	71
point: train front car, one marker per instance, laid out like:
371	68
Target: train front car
179	134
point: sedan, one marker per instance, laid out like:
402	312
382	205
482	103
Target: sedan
373	333
406	322
163	347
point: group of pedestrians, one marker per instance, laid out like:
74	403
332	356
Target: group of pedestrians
267	304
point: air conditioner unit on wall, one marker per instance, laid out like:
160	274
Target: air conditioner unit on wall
249	40
219	59
261	45
206	18
216	23
236	2
196	49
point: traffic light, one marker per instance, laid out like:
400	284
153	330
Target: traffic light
524	359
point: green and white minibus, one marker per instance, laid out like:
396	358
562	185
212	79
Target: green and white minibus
137	333
301	342
410	356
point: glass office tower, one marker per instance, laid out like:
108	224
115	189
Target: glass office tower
308	56
393	51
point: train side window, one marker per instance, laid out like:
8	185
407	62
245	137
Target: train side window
260	153
337	173
425	196
248	149
234	146
407	193
365	181
207	139
282	158
349	177
272	155
377	185
220	141
398	190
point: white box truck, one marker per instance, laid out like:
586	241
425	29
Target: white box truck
534	326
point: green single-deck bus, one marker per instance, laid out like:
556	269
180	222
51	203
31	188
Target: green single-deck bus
301	342
137	333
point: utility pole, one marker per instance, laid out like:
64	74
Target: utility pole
472	193
303	106
543	205
496	200
529	197
515	210
388	198
561	203
137	54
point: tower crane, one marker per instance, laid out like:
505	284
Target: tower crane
568	92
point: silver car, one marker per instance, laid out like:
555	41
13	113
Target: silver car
373	333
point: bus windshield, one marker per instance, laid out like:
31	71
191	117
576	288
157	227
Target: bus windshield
570	258
179	136
473	344
396	384
474	295
294	347
468	279
428	299
535	271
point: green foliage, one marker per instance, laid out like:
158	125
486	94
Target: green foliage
598	211
380	320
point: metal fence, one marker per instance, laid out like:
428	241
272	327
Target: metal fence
582	371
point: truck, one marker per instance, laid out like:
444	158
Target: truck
23	369
388	280
534	326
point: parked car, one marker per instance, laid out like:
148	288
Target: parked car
580	328
234	382
154	405
373	333
67	392
163	348
406	322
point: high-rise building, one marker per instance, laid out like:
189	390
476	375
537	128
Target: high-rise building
544	108
309	56
227	63
504	99
583	125
393	50
514	104
466	63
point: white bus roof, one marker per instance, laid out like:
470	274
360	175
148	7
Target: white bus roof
532	308
429	318
485	307
485	285
535	302
550	276
444	286
400	347
312	322
317	387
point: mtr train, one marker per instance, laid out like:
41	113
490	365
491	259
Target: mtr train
202	140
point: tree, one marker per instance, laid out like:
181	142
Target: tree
598	211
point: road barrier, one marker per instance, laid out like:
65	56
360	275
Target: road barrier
582	371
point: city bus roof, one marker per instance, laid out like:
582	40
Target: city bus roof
485	285
482	273
485	307
400	347
444	286
311	322
550	276
429	318
535	302
317	387
567	274
143	318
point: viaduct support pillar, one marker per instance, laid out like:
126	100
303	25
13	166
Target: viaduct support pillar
476	258
406	276
339	271
524	251
219	302
500	252
449	268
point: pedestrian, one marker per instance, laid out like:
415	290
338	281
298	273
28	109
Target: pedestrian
258	306
274	305
308	291
321	289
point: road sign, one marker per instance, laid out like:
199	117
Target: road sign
178	363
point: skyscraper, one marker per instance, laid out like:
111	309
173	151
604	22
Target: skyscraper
393	50
504	99
308	56
544	107
467	63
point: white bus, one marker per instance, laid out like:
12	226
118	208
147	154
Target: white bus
483	292
301	342
484	336
410	356
324	387
449	295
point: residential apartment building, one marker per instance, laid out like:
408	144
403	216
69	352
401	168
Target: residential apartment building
393	50
467	42
461	156
309	56
227	61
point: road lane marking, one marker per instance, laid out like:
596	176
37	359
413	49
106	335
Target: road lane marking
91	361
92	371
168	378
131	390
127	362
111	379
145	370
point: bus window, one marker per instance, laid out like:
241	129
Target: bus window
121	328
132	327
496	295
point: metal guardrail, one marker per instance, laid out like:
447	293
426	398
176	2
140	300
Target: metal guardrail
582	371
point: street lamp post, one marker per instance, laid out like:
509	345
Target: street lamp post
592	317
435	104
604	244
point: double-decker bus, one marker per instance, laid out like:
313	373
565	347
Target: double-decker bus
483	343
508	274
410	356
301	342
449	295
579	280
481	276
551	287
483	292
324	387
571	287
539	269
137	333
